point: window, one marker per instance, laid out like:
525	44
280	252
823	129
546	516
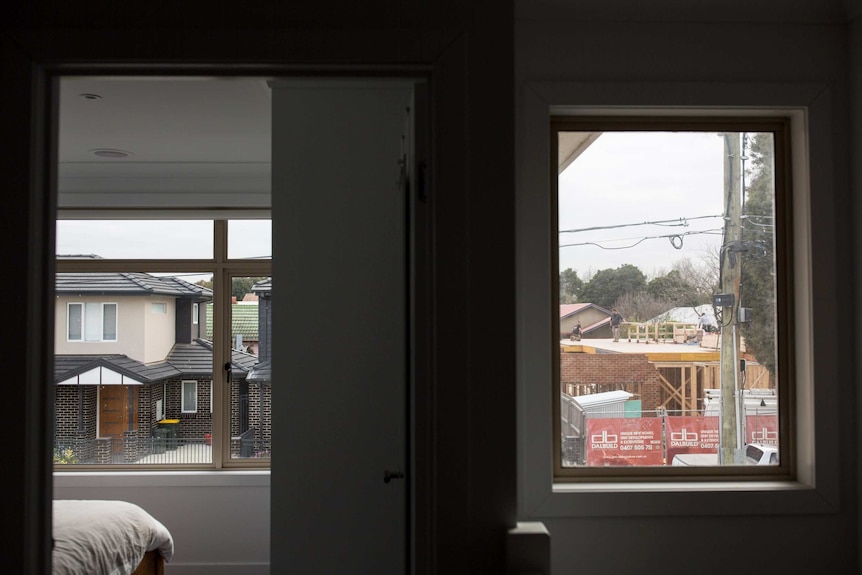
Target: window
168	357
671	257
91	322
190	397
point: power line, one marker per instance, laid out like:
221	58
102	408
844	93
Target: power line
676	240
675	222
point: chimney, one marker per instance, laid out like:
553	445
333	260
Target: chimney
233	300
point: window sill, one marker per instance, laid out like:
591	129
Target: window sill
682	499
221	478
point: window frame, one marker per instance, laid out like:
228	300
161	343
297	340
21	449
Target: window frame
783	243
163	310
101	322
816	488
195	313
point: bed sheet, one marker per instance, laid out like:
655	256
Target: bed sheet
101	537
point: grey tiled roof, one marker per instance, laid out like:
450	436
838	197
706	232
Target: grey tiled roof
263	286
185	359
66	366
128	283
261	372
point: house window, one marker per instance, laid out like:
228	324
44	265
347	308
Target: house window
673	256
91	322
195	315
159	308
190	397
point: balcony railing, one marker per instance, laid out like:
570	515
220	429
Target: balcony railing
159	450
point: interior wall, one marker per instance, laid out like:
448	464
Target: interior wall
468	464
737	54
219	522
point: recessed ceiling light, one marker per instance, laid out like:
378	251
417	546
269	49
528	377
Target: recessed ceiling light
109	153
90	96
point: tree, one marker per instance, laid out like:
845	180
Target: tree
641	306
757	289
608	285
673	289
701	275
570	286
242	285
239	285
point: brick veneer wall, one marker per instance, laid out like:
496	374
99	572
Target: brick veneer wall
66	412
263	429
612	372
192	425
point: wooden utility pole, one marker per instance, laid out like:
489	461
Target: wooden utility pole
731	273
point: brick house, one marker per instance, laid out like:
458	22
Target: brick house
130	352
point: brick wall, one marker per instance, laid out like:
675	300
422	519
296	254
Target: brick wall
66	405
596	373
192	425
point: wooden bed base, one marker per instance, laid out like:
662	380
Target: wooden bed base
152	564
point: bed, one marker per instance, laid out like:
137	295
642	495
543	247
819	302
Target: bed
108	538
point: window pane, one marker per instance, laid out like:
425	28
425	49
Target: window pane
190	396
109	322
75	318
251	356
136	239
249	239
93	322
121	399
667	299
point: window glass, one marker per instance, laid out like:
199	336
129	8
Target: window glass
667	266
132	399
135	239
250	239
75	322
190	396
251	356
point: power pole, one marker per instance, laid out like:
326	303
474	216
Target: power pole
731	273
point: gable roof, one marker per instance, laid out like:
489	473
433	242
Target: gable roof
127	283
568	309
185	359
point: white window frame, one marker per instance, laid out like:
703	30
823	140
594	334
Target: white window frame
186	382
83	306
815	488
159	307
195	312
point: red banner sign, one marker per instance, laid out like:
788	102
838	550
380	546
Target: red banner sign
761	429
687	434
624	441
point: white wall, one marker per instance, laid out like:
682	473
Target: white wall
219	521
624	533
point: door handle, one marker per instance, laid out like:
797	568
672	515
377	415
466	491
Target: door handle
390	475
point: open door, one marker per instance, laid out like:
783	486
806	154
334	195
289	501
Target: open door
341	347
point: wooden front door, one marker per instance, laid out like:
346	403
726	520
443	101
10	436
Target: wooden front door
117	411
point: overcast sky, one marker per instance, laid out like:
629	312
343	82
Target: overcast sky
633	177
621	179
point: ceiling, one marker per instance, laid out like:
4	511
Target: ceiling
191	142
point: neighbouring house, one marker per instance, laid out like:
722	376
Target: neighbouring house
244	325
131	352
595	320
